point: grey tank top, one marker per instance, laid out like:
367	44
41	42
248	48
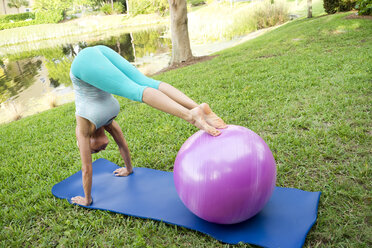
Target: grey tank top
93	104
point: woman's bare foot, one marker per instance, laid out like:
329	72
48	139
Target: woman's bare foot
211	118
199	121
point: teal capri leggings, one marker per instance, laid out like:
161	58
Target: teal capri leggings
106	70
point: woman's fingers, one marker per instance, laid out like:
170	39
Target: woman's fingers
123	172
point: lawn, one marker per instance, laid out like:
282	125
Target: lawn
305	87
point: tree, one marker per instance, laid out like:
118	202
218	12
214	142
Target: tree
181	50
4	7
52	5
127	6
17	4
309	9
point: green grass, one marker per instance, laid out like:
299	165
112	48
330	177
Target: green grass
305	87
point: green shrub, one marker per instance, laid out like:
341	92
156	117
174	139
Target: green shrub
118	8
51	11
107	8
333	6
137	7
17	20
46	11
347	5
214	23
196	2
17	17
49	16
267	14
17	24
364	7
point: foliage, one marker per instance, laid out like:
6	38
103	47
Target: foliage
347	5
137	7
51	11
214	22
17	17
17	3
39	17
333	6
268	14
364	7
54	16
107	8
17	20
52	5
17	24
91	3
45	12
196	2
304	87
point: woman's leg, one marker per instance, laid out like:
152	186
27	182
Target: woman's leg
94	68
211	118
135	75
127	68
157	99
177	95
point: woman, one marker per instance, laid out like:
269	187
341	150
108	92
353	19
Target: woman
96	73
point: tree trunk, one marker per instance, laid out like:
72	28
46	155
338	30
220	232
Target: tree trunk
309	9
127	7
112	5
4	5
181	50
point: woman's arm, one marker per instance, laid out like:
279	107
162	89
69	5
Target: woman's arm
116	132
83	133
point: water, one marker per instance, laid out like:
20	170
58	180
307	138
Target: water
32	81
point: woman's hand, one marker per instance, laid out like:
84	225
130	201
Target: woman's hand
122	172
81	200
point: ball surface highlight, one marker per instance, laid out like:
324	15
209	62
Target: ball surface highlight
225	179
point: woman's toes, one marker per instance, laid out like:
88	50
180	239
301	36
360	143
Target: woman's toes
211	118
199	122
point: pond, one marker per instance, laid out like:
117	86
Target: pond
34	80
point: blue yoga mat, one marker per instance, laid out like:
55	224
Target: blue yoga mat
147	193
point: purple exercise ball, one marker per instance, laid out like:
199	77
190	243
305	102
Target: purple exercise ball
225	179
